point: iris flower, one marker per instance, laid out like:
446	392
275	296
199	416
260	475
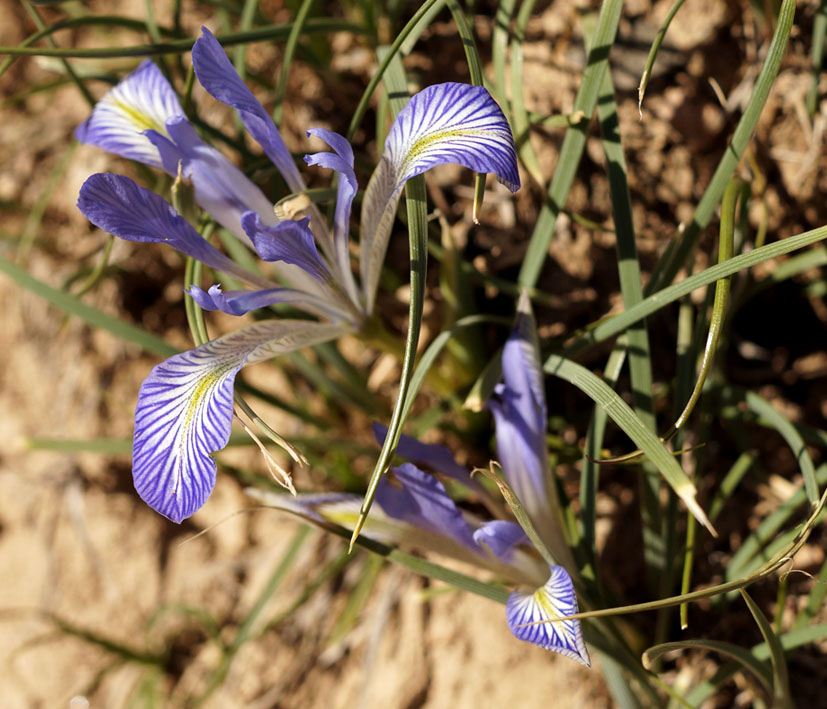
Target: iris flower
413	507
185	406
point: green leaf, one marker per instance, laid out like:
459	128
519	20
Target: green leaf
742	656
645	439
781	683
608	327
573	143
679	250
94	317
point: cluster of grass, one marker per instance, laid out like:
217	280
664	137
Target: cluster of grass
672	546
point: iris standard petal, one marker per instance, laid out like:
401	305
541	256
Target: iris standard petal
526	611
500	537
445	123
519	408
119	206
217	75
144	100
185	409
342	162
288	241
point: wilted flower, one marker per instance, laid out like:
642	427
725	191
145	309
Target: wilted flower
185	406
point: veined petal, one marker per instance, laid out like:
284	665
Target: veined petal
342	162
117	205
144	100
421	500
221	189
425	518
445	123
555	599
399	524
289	241
217	75
519	409
500	537
241	302
185	409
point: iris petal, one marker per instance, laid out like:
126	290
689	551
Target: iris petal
241	302
525	613
501	537
433	455
445	123
289	241
185	409
416	514
421	500
519	408
144	100
117	205
217	75
342	162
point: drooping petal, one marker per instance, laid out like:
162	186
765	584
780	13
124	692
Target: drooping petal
501	537
221	189
241	302
526	611
342	162
217	75
185	406
289	241
445	123
144	100
117	205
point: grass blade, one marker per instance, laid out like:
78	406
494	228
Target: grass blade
781	682
653	51
622	414
573	144
743	657
675	256
94	317
416	205
609	327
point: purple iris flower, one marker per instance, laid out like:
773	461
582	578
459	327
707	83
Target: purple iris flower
185	408
413	507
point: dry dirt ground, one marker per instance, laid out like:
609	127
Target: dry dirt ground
77	544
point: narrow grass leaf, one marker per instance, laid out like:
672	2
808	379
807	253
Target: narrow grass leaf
573	143
653	51
94	317
622	414
678	251
608	327
776	420
781	683
752	552
744	658
315	25
519	114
